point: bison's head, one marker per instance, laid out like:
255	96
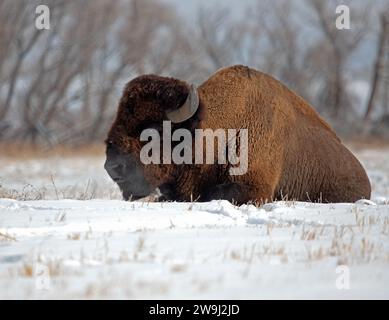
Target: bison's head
146	102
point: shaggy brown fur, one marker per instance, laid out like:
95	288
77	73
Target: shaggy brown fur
293	153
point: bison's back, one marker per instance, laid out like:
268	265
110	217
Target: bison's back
292	151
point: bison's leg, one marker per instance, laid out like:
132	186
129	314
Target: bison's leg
236	192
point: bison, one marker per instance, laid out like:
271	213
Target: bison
292	152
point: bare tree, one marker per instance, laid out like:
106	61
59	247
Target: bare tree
62	85
18	39
337	46
283	44
379	65
220	39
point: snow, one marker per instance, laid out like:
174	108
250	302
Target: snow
79	240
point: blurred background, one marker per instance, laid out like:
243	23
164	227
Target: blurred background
59	88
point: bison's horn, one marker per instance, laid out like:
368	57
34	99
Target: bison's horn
187	110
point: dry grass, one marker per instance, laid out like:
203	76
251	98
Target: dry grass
269	228
385	226
178	267
28	192
91	190
55	268
347	251
310	234
348	243
256	251
140	244
74	236
5	236
27	270
61	217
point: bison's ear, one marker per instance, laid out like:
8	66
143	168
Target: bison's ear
187	110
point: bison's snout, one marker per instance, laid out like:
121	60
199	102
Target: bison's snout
116	171
128	175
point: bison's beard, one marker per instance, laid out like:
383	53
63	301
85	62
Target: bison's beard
128	175
154	196
132	191
164	193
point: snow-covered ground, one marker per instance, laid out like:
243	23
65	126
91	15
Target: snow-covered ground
65	233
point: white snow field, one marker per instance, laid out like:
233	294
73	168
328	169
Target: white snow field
65	233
